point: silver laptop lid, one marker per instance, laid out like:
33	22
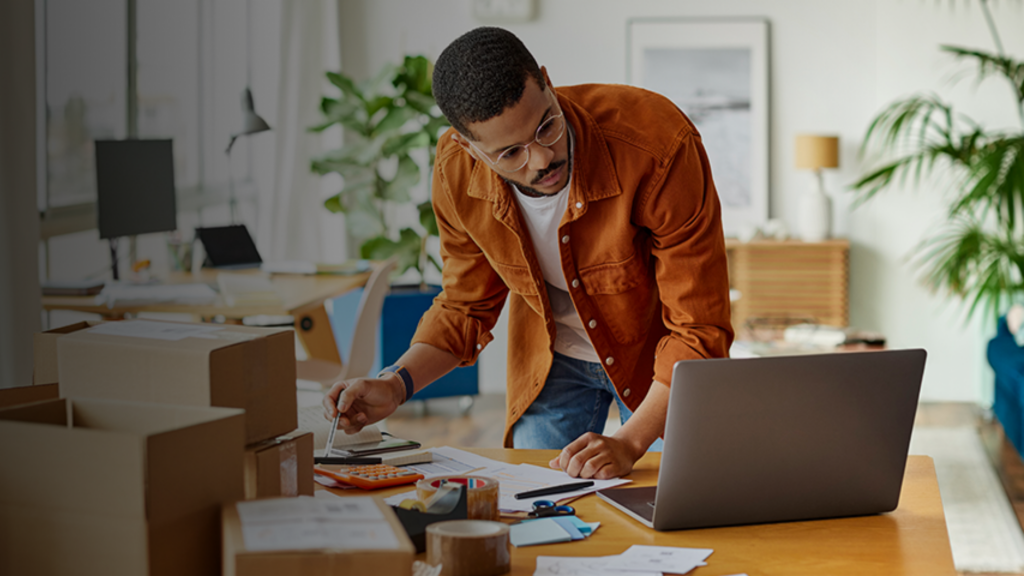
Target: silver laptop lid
786	438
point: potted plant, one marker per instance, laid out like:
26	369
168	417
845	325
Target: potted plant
387	119
979	253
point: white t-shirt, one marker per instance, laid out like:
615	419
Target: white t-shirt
542	216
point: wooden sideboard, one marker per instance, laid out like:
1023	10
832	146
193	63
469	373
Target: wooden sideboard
789	281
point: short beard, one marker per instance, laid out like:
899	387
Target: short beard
533	192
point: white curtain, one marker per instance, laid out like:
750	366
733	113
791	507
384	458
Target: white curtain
293	223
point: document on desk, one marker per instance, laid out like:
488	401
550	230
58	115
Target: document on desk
515	479
580	566
512	478
670	559
156	330
308	523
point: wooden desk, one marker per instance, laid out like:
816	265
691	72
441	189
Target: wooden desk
302	296
911	540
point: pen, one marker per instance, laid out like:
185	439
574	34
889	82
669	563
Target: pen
555	489
347	460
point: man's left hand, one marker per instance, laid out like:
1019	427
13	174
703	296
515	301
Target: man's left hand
595	456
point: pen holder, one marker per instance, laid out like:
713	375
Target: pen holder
416	522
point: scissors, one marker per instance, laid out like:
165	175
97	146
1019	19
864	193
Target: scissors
547	508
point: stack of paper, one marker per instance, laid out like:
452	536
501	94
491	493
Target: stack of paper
306	523
636	561
125	294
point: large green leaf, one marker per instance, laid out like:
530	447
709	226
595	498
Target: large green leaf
415	75
354	196
350	171
992	64
422	103
376	104
395	119
405	143
427	218
376	83
407	248
407	176
347	86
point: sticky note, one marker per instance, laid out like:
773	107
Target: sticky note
543	531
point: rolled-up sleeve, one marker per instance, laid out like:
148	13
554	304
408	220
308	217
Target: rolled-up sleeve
682	210
464	313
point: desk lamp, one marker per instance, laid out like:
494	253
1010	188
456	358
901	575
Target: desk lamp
814	152
252	123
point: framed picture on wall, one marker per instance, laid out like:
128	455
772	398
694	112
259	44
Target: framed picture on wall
716	72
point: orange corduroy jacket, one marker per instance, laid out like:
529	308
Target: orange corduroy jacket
642	250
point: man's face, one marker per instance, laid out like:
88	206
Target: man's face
548	168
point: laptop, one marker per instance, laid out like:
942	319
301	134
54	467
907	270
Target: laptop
757	440
229	247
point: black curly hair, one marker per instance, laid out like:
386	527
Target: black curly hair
480	74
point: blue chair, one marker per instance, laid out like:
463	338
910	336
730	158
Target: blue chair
1007	360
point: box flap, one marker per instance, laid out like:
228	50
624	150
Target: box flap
41	459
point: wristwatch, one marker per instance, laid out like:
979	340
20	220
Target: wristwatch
404	375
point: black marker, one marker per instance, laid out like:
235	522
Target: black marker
555	490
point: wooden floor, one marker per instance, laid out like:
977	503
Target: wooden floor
444	421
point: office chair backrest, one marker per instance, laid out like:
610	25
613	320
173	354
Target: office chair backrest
363	345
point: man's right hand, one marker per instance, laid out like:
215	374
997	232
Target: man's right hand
363	401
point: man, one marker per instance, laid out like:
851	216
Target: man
592	210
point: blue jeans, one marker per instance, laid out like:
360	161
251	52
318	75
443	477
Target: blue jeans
574	401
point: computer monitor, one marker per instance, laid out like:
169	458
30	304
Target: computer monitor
135	187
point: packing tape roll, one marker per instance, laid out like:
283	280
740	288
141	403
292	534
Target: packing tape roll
482	498
469	547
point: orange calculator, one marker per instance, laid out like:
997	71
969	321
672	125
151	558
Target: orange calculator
373	476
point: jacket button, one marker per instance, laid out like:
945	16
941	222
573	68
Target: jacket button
593	324
479	346
609	361
579	205
575	283
625	393
565	239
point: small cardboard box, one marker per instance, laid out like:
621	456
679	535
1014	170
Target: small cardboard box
395	560
189	364
93	486
44	351
280	467
27	394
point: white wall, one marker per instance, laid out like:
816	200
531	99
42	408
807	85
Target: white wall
833	64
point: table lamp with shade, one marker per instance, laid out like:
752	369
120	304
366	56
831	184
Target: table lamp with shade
814	152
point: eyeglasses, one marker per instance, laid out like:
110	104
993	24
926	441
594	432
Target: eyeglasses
513	159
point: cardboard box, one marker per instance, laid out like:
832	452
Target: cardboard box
44	351
238	561
27	394
280	467
188	364
94	486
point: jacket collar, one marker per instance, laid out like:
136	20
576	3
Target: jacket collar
593	173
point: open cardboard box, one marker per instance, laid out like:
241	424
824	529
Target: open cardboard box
239	561
44	351
188	364
91	486
280	467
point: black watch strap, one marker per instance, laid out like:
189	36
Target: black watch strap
406	379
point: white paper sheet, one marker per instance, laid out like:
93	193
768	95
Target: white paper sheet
515	479
306	523
155	330
579	566
659	559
